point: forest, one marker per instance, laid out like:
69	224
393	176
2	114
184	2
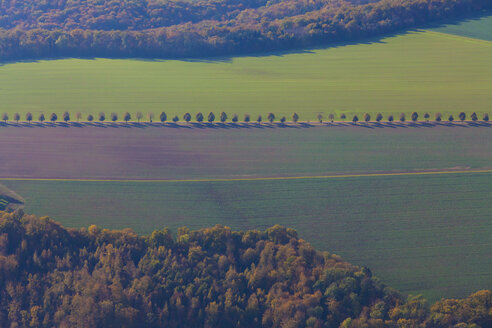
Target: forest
214	277
181	28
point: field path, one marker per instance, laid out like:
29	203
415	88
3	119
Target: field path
313	177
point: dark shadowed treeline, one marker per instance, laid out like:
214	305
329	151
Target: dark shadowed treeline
36	29
56	277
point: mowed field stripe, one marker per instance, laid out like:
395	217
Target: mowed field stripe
312	177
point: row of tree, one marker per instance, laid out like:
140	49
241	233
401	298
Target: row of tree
181	28
199	117
51	276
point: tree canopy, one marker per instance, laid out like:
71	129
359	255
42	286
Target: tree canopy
214	277
182	28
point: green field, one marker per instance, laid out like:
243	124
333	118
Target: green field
416	71
420	234
477	28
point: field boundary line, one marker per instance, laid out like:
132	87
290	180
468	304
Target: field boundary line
310	177
460	37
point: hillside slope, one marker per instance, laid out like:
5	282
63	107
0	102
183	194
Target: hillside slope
213	277
204	28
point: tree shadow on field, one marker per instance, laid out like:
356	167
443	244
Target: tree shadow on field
249	125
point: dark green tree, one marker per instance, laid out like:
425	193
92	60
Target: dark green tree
427	116
199	117
355	119
175	119
163	117
29	117
415	116
462	117
66	116
343	117
211	117
53	117
271	117
247	118
17	117
41	118
451	118
331	117
187	117
438	117
319	117
127	117
379	117
485	117
114	117
403	117
295	118
5	117
259	119
235	118
367	117
223	117
474	117
90	118
102	117
391	118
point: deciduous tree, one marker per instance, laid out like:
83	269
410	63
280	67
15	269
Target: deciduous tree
53	117
187	117
331	117
199	117
367	117
114	117
66	116
235	118
415	116
379	117
474	117
320	118
5	117
295	118
485	117
462	117
391	118
427	116
271	117
163	117
17	117
102	117
90	118
403	117
78	116
438	117
41	118
139	116
175	119
259	119
127	117
247	118
355	119
223	117
211	117
343	117
29	117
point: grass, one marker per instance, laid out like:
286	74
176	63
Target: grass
420	234
417	71
477	28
